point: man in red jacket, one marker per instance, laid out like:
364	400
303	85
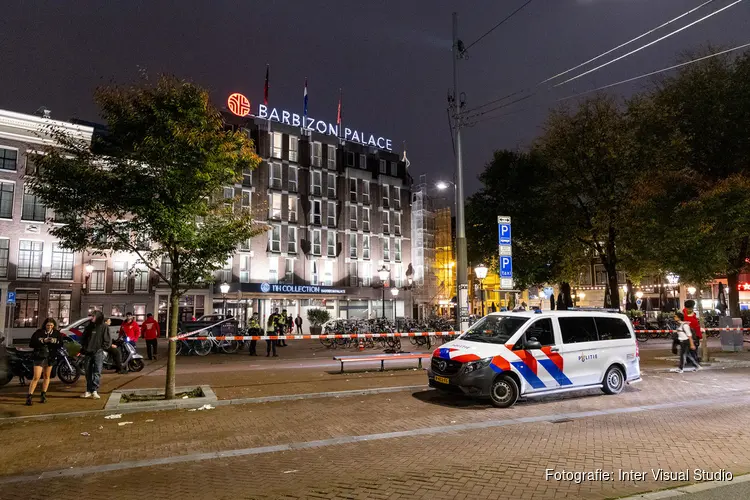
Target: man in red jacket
130	328
695	325
151	333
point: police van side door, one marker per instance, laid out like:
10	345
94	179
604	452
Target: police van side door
579	349
541	368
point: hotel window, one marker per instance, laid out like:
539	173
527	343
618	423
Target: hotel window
246	245
97	279
331	185
33	210
353	190
273	269
276	146
289	271
398	273
316	153
314	272
316	243
6	200
331	243
366	192
386	249
383	167
247	177
27	308
363	162
244	268
275	173
366	246
228	195
224	275
292	208
353	274
246	200
120	276
386	198
366	273
139	311
165	267
349	159
328	273
331	214
293	148
353	218
317	209
365	219
293	172
62	263
275	204
394	169
397	223
274	239
29	259
140	277
331	156
397	198
386	222
291	245
353	246
8	159
59	306
4	257
397	249
316	183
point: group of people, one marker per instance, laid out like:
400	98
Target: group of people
95	341
278	324
687	338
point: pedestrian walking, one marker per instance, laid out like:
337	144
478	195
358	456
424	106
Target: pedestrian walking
253	328
271	329
151	332
95	339
695	325
685	338
43	341
298	323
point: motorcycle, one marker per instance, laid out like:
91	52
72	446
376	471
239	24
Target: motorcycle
21	365
130	357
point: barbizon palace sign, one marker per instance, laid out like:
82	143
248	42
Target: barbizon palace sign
240	106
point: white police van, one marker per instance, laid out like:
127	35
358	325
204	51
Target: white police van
509	355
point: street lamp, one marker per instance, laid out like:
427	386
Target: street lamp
691	290
88	270
384	273
224	287
481	273
394	293
581	295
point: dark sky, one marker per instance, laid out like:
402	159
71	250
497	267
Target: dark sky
392	58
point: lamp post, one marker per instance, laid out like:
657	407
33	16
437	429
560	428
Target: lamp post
384	273
481	273
394	293
224	287
88	270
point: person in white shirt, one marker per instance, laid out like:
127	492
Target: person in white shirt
685	339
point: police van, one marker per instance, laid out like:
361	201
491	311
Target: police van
505	356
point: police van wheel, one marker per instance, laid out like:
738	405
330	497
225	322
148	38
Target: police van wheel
614	380
504	392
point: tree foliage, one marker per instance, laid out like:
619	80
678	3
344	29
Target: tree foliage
150	185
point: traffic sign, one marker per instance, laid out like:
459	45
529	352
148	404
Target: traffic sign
506	284
506	250
504	232
506	267
11	298
638	302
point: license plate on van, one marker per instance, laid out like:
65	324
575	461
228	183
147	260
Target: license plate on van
442	380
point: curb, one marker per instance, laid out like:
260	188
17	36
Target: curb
687	490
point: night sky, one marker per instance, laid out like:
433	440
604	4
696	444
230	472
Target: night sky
392	58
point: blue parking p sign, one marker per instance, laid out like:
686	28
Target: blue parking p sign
504	231
11	298
506	267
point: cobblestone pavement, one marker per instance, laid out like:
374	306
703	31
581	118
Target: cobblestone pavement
447	448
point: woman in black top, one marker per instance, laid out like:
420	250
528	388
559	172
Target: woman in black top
44	341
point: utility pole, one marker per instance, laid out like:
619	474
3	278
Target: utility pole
462	278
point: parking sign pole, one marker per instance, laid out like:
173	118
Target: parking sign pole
505	249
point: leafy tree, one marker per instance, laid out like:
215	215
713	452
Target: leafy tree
149	187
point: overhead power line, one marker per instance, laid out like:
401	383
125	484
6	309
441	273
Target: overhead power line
648	44
498	25
475	115
628	42
621	82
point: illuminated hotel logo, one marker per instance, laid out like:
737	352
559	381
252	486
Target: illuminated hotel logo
238	104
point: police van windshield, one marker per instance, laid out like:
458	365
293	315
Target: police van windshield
494	329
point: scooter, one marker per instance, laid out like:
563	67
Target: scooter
130	358
21	364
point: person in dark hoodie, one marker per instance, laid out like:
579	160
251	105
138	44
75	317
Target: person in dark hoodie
44	341
95	339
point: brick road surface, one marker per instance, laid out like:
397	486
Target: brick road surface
502	462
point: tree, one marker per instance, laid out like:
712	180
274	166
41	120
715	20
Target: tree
150	186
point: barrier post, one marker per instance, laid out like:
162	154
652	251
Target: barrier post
704	345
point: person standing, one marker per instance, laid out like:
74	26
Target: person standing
44	341
695	325
151	332
271	329
130	329
284	326
298	322
685	338
253	329
95	339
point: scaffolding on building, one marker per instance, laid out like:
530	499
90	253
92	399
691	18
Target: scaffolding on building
423	249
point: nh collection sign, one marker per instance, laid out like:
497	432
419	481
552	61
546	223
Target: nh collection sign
281	288
240	106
